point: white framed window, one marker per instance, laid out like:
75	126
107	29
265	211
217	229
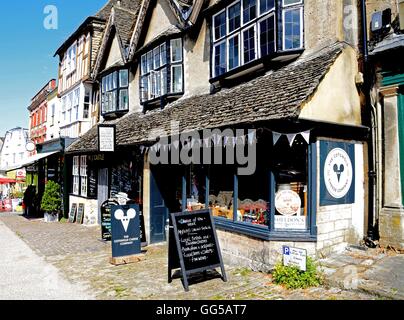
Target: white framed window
293	29
176	50
83	176
76	183
219	25
288	3
219	58
249	10
249	45
115	91
267	32
233	52
176	79
256	22
266	6
76	175
76	166
83	166
234	17
164	73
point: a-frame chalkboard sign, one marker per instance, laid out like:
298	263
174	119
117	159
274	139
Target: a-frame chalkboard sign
193	245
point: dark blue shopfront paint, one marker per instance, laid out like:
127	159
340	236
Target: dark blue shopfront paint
125	229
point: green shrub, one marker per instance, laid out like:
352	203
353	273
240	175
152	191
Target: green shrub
51	199
293	278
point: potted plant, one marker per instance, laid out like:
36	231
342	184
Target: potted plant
51	201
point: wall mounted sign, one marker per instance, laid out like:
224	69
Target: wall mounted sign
337	173
287	202
106	138
295	257
193	245
125	231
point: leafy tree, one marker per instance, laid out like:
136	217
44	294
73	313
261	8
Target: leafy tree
51	199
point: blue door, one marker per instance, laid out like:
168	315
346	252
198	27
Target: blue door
158	211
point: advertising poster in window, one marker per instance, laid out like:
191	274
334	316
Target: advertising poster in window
337	173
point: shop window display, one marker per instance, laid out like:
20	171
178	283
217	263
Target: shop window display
290	168
253	195
221	191
196	190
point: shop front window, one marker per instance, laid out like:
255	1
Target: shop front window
253	197
221	191
290	166
196	187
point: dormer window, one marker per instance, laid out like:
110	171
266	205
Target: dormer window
115	97
162	72
246	31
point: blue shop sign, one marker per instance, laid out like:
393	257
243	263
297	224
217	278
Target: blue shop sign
125	229
337	173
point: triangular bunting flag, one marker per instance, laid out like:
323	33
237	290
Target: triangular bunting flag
291	138
306	136
276	136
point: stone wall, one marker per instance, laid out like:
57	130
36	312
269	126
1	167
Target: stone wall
259	255
90	209
391	222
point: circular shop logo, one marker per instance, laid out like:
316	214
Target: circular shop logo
287	202
338	173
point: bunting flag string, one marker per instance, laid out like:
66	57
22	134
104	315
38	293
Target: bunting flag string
291	136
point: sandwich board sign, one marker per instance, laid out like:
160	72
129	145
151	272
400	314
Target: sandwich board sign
125	231
295	257
193	245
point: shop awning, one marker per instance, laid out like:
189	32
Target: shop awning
7	180
31	160
276	95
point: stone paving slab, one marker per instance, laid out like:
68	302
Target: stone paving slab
78	254
26	276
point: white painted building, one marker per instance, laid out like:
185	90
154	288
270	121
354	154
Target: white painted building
13	152
54	116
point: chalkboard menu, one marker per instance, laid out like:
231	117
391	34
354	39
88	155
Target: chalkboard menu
196	243
72	213
80	214
121	179
106	208
92	184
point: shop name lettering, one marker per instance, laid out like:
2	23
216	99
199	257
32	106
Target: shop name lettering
185	148
126	241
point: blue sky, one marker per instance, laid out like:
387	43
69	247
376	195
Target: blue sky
27	49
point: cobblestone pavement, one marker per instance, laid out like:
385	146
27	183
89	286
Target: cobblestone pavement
76	251
25	276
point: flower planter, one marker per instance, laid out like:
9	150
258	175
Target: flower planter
50	217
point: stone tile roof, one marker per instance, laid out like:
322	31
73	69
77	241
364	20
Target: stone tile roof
105	11
125	22
275	95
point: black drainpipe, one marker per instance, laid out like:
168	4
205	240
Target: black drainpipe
368	121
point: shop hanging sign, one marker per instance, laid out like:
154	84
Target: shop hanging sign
337	170
295	257
106	138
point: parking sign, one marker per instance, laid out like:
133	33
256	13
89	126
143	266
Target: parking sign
294	257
